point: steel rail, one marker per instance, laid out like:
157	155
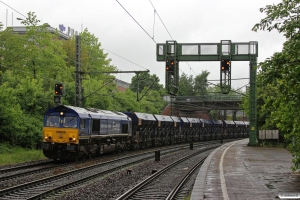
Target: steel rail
139	186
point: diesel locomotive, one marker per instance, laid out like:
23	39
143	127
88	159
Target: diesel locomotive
72	132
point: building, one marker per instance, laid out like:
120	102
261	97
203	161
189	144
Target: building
21	30
122	85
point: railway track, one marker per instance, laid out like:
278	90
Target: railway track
28	171
4	171
48	186
166	183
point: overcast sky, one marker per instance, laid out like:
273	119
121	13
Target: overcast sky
189	21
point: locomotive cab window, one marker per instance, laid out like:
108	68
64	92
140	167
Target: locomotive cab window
70	122
52	121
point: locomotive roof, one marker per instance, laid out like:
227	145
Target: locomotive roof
88	112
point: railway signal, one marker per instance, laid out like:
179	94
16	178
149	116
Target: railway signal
170	64
225	64
59	92
57	99
59	89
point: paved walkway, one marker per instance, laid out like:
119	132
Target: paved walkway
237	171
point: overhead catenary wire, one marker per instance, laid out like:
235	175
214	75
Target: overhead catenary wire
155	12
136	22
161	20
124	58
12	8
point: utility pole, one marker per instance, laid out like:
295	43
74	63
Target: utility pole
78	78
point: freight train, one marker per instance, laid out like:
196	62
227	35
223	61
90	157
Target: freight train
73	133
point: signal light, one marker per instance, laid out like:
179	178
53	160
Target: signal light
170	65
59	89
225	65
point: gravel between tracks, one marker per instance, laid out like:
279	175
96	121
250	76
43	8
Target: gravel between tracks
112	186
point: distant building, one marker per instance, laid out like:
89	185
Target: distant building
21	30
122	85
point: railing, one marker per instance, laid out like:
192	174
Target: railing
209	98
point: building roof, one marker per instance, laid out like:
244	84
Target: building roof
22	30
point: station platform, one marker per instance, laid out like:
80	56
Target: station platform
237	171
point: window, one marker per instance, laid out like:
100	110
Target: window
52	121
70	122
103	127
116	126
96	126
82	123
124	128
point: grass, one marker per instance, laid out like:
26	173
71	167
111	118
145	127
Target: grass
14	155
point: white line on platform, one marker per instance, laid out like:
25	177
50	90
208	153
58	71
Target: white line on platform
223	184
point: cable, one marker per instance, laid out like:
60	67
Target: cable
231	79
12	8
70	59
230	89
154	23
125	59
167	31
161	20
136	21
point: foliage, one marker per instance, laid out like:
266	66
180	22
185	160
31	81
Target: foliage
142	80
201	83
280	75
186	85
12	155
31	64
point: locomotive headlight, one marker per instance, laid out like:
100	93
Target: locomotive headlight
48	138
61	113
72	139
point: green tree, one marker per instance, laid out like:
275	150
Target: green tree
281	73
186	85
145	80
93	63
32	63
201	83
